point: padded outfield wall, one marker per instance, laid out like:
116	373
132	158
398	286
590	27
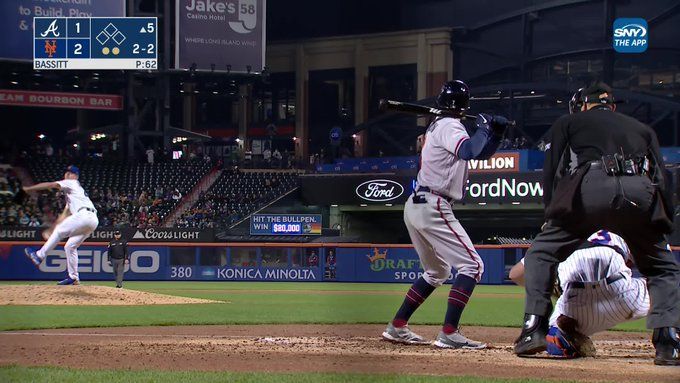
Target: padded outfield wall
249	262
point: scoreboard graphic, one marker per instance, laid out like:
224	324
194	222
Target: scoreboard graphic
100	43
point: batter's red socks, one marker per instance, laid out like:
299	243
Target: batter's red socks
415	296
461	289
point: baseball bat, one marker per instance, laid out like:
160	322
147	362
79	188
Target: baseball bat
407	107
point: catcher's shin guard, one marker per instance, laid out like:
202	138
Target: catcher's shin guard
560	344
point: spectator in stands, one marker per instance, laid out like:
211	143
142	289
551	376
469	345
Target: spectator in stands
149	156
176	195
277	158
267	155
313	259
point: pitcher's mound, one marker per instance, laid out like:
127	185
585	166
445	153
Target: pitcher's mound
86	295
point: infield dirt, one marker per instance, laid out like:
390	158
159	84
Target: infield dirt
622	357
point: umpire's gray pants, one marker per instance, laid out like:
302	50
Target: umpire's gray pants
118	270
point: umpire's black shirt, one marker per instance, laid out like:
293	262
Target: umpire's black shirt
118	249
590	135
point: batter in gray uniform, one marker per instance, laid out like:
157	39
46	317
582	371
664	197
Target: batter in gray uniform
438	237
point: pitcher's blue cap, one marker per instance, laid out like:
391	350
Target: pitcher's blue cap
73	169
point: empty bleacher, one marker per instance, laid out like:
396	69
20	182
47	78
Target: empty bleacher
235	195
127	193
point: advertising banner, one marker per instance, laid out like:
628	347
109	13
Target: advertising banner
398	264
389	264
16	20
224	35
105	234
145	264
500	188
285	224
505	188
355	189
167	234
500	162
61	100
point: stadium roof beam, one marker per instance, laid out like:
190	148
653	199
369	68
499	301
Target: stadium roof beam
178	132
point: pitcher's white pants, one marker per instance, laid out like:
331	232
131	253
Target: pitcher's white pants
76	228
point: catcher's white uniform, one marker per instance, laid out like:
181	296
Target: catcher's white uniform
598	288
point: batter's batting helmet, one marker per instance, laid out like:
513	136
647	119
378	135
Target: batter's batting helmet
576	102
455	95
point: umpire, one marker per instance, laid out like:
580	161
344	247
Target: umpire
118	257
604	170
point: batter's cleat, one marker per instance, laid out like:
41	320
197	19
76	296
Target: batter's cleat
532	338
403	335
667	343
32	256
457	340
68	281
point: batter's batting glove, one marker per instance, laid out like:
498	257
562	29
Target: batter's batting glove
484	121
499	124
560	344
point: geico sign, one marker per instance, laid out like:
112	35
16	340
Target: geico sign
505	188
94	261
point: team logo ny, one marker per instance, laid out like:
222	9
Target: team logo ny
50	49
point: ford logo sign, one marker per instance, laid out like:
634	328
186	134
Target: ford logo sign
379	190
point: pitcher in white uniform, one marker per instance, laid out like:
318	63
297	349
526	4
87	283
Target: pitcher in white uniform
598	290
438	237
81	220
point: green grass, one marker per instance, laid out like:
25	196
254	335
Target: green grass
275	302
60	375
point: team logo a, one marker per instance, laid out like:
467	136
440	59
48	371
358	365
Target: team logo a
247	17
50	48
52	30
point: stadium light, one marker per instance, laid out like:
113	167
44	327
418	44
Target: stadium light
354	136
41	136
237	140
294	138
